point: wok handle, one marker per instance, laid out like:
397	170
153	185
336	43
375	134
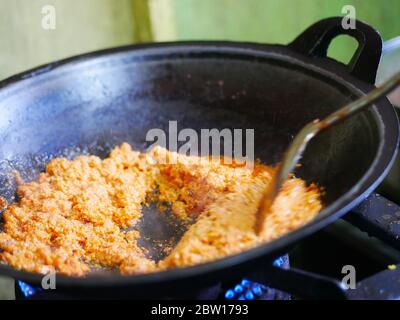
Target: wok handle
378	217
315	41
311	285
301	283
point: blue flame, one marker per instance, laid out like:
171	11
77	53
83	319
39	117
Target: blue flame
26	289
249	290
245	290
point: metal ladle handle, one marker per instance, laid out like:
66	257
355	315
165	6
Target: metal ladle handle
296	149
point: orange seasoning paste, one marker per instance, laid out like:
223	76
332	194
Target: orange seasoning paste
75	216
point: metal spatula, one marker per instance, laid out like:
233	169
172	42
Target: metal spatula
295	150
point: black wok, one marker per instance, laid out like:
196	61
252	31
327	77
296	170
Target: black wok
93	102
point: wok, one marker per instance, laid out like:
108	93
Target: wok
93	102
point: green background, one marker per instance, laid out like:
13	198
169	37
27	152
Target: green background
87	25
278	21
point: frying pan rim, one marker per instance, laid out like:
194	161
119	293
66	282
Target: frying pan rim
386	120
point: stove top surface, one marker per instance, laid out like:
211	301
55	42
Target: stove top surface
319	265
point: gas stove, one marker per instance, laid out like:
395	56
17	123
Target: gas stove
245	289
366	241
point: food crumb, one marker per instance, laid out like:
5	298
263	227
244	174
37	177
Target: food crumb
3	203
76	214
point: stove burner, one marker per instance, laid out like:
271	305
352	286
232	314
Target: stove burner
244	290
250	290
247	290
